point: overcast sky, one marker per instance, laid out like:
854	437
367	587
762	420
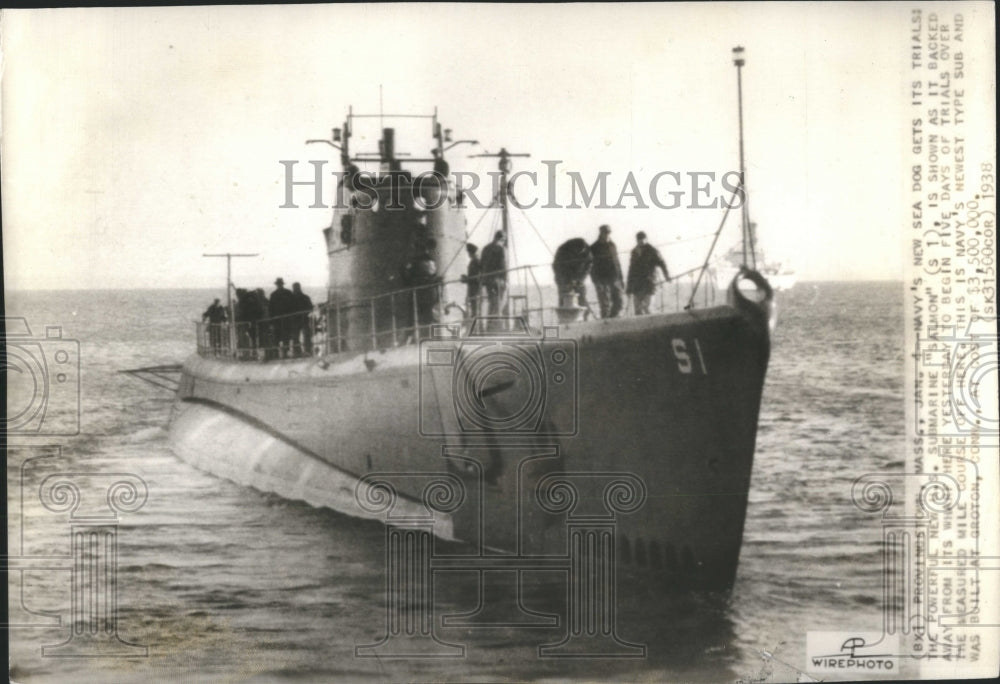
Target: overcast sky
134	140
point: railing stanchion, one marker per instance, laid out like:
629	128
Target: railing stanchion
392	311
253	339
326	336
338	328
538	290
416	318
438	317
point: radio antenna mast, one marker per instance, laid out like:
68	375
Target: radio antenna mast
503	192
745	214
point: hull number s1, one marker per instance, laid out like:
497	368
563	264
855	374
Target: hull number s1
683	352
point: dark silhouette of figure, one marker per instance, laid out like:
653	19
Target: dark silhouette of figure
571	266
473	282
441	167
421	274
281	305
642	273
606	274
216	317
494	272
263	328
302	306
248	312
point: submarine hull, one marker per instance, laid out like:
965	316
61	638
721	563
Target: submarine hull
645	423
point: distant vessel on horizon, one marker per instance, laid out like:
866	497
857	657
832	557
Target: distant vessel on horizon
780	275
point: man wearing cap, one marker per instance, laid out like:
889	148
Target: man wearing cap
280	305
606	274
642	273
494	270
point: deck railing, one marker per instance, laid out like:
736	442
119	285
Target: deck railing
406	316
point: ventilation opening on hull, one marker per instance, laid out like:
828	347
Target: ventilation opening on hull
657	556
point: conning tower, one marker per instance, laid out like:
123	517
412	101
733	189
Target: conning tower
392	208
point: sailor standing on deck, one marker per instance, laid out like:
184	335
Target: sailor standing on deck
606	274
642	273
215	314
247	314
280	305
424	277
303	306
473	282
494	270
571	265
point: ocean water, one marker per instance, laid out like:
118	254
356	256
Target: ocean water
223	583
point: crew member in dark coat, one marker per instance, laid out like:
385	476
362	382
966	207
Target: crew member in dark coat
216	316
280	305
571	266
262	327
248	312
494	272
606	274
642	273
303	306
473	282
441	167
421	274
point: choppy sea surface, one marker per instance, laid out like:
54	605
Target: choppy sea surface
224	583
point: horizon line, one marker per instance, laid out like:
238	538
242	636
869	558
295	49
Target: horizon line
324	287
